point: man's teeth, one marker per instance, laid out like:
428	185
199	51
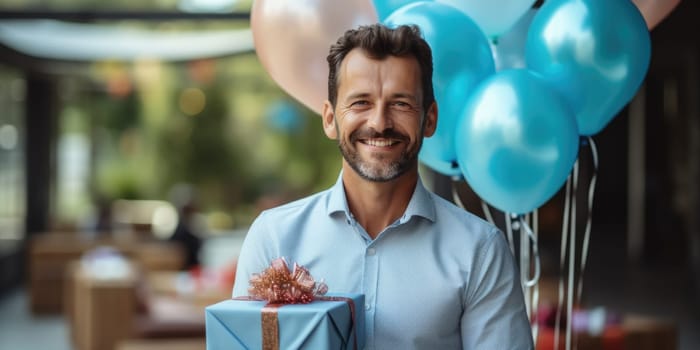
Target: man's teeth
379	143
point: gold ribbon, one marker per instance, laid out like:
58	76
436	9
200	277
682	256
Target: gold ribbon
270	323
270	327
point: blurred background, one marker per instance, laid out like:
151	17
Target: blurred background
138	140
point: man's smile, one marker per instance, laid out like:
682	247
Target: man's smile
379	142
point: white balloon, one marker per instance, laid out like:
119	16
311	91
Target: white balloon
292	38
494	17
509	49
654	11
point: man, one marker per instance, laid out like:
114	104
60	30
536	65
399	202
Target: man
433	275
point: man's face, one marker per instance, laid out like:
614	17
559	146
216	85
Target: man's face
378	118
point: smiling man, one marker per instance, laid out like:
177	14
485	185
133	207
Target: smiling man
433	275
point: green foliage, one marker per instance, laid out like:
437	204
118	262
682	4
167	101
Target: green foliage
204	124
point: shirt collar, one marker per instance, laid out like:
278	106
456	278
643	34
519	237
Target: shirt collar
421	203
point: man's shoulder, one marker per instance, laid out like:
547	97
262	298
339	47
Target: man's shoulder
451	214
298	206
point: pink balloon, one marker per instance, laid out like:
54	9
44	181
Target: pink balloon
654	11
292	38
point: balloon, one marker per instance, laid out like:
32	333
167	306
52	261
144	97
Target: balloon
518	141
292	39
284	116
457	69
595	52
386	7
654	11
494	17
438	151
509	49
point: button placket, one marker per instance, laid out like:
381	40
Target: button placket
370	290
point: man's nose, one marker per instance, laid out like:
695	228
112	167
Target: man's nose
380	119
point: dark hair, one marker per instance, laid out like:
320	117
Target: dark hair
379	41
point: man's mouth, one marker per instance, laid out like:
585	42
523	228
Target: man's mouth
372	138
379	142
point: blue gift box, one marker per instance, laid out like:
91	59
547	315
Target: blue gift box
237	324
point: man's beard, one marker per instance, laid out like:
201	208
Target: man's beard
374	172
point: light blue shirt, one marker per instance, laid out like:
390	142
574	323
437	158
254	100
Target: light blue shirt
437	278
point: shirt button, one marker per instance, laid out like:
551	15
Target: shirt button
371	251
368	307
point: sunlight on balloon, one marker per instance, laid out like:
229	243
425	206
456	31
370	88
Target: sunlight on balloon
570	26
485	116
573	12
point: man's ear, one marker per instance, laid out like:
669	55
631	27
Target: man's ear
328	117
431	118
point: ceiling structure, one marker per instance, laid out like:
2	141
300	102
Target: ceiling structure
44	39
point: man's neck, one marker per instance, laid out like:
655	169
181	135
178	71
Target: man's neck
376	205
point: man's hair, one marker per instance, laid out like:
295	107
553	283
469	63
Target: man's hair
378	42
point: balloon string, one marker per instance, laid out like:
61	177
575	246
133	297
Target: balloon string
572	258
509	233
589	221
535	306
456	198
531	282
535	222
536	289
524	260
487	212
485	207
562	261
529	241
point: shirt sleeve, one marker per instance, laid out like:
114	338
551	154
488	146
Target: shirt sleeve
494	312
256	253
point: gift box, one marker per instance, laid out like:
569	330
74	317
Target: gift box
335	321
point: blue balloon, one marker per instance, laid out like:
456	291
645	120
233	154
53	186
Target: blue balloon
386	7
438	151
594	52
518	141
284	116
461	59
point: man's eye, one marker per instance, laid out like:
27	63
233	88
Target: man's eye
402	105
359	103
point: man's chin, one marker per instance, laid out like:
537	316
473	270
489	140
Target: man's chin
379	172
378	178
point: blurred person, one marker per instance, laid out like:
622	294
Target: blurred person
434	276
188	230
99	222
